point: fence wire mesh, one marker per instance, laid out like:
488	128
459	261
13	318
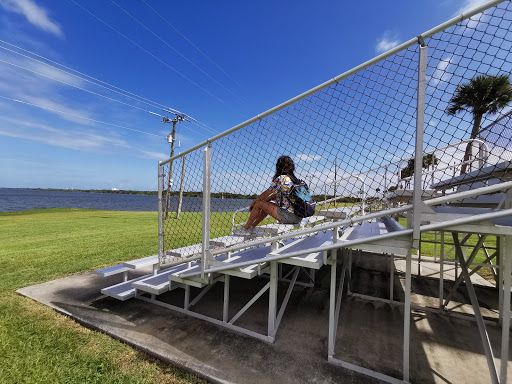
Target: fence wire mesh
353	141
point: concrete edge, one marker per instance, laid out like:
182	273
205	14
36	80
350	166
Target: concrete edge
177	363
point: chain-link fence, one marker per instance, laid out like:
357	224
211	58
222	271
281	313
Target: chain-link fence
353	140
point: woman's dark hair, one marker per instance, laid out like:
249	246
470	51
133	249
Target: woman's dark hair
285	166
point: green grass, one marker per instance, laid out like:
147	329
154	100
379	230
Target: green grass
429	249
333	204
37	345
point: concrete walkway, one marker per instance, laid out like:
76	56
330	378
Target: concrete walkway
444	349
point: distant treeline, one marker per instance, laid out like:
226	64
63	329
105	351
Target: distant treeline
102	191
217	195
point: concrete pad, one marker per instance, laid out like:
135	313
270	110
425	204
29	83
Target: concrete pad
444	349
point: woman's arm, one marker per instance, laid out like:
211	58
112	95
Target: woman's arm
265	196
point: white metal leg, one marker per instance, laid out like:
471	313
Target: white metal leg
391	276
187	297
407	315
201	294
285	301
441	272
505	328
332	308
349	270
465	266
272	300
500	242
476	308
225	307
250	303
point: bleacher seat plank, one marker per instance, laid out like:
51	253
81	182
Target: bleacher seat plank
122	291
277	228
491	171
308	260
183	252
159	283
369	230
247	272
143	262
340	213
112	270
228	241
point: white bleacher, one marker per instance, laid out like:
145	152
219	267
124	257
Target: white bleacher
406	195
144	262
159	283
313	260
112	270
500	171
246	272
370	229
122	291
216	243
338	213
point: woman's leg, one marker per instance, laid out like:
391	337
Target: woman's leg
259	211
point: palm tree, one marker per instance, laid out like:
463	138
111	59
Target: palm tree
428	160
484	94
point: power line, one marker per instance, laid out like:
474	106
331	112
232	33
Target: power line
155	104
74	70
174	49
78	116
190	42
82	89
81	78
152	55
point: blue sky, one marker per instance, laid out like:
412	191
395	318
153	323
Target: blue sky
219	62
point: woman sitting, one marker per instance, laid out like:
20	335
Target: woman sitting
279	190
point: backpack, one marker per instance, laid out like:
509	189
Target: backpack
300	199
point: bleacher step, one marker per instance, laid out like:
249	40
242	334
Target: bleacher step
159	283
122	291
144	262
246	272
309	259
112	270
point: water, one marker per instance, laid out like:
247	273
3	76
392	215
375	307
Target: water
14	199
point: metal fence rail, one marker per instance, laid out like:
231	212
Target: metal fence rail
353	138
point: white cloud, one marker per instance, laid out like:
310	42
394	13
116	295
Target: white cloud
36	15
54	74
441	73
307	158
468	5
154	155
66	111
386	42
78	139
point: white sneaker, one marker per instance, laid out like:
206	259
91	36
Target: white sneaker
244	232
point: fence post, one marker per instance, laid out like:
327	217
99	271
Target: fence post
160	215
180	200
418	166
206	207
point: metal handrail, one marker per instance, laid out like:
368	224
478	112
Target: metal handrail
389	212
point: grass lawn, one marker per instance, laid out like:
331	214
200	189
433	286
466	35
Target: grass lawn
38	345
429	249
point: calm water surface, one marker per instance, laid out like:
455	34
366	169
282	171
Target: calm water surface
14	199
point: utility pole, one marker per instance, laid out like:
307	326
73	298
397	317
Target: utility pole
172	138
